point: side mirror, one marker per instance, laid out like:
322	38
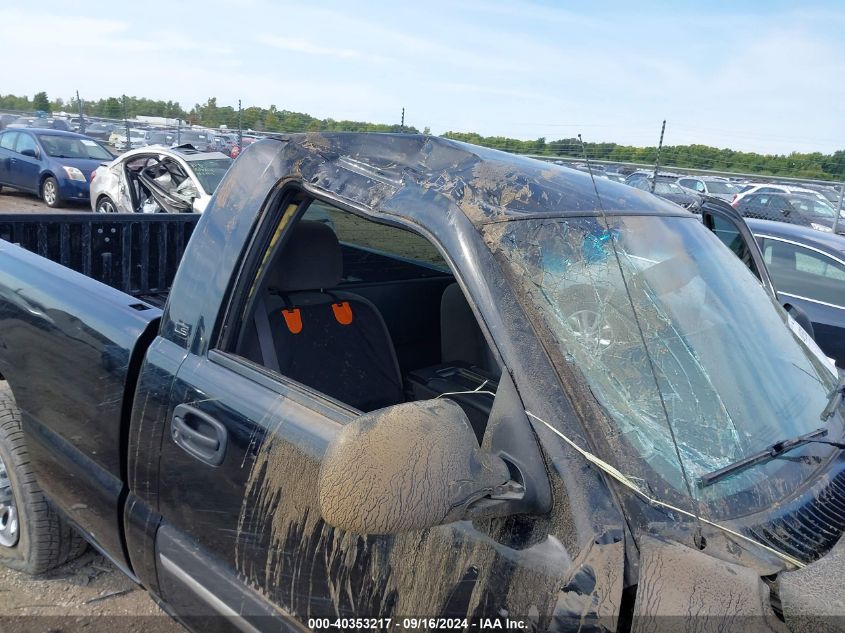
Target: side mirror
801	318
409	467
32	153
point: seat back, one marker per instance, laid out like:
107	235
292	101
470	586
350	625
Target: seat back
335	342
461	338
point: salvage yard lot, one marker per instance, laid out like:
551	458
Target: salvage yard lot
13	201
89	594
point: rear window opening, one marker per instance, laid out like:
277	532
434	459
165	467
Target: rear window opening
366	313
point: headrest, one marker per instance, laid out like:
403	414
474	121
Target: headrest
311	259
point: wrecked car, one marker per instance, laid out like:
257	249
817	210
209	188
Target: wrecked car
413	383
157	179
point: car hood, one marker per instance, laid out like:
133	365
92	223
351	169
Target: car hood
723	196
85	165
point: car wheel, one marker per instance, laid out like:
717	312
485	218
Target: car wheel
105	205
50	192
33	537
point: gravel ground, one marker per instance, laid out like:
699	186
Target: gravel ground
88	594
13	201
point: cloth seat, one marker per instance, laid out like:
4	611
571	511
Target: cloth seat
333	341
461	338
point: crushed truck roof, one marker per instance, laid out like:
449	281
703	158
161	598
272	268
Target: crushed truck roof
383	170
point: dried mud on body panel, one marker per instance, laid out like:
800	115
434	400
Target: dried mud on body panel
287	552
681	589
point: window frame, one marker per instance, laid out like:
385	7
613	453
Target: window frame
237	305
819	251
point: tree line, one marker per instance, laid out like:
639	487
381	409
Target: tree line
803	165
813	165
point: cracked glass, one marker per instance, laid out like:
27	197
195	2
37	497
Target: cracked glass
673	336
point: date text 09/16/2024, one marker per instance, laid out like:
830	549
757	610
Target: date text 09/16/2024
412	624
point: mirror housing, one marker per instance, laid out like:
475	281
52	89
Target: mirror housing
801	318
32	153
408	467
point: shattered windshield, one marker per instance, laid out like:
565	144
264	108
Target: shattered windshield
674	337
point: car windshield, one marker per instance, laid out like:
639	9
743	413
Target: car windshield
719	186
667	187
72	147
678	342
210	171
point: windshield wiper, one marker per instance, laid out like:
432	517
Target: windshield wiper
834	398
775	450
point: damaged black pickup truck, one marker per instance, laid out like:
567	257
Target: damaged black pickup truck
405	383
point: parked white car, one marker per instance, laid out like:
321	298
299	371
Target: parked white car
771	188
158	179
717	187
137	138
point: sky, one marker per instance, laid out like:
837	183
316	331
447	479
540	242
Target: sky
756	76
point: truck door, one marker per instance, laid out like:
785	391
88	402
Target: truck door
727	224
732	230
242	536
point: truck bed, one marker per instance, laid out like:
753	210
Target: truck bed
137	254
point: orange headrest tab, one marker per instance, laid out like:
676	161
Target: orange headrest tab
293	319
342	312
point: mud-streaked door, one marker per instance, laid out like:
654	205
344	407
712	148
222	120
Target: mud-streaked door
242	534
244	540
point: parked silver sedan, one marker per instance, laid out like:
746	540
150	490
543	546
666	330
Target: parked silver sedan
158	179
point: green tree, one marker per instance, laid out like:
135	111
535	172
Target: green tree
271	122
112	108
41	102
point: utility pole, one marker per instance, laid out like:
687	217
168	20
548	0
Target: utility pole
240	129
81	116
402	124
839	207
657	160
126	124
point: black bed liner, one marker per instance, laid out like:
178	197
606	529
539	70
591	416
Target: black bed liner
138	254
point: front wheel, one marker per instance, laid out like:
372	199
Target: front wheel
50	192
33	538
105	205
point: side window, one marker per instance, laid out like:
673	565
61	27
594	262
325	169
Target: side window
800	271
777	203
7	140
25	141
730	236
686	182
699	186
365	313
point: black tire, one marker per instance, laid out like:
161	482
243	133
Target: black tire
105	205
44	540
50	192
